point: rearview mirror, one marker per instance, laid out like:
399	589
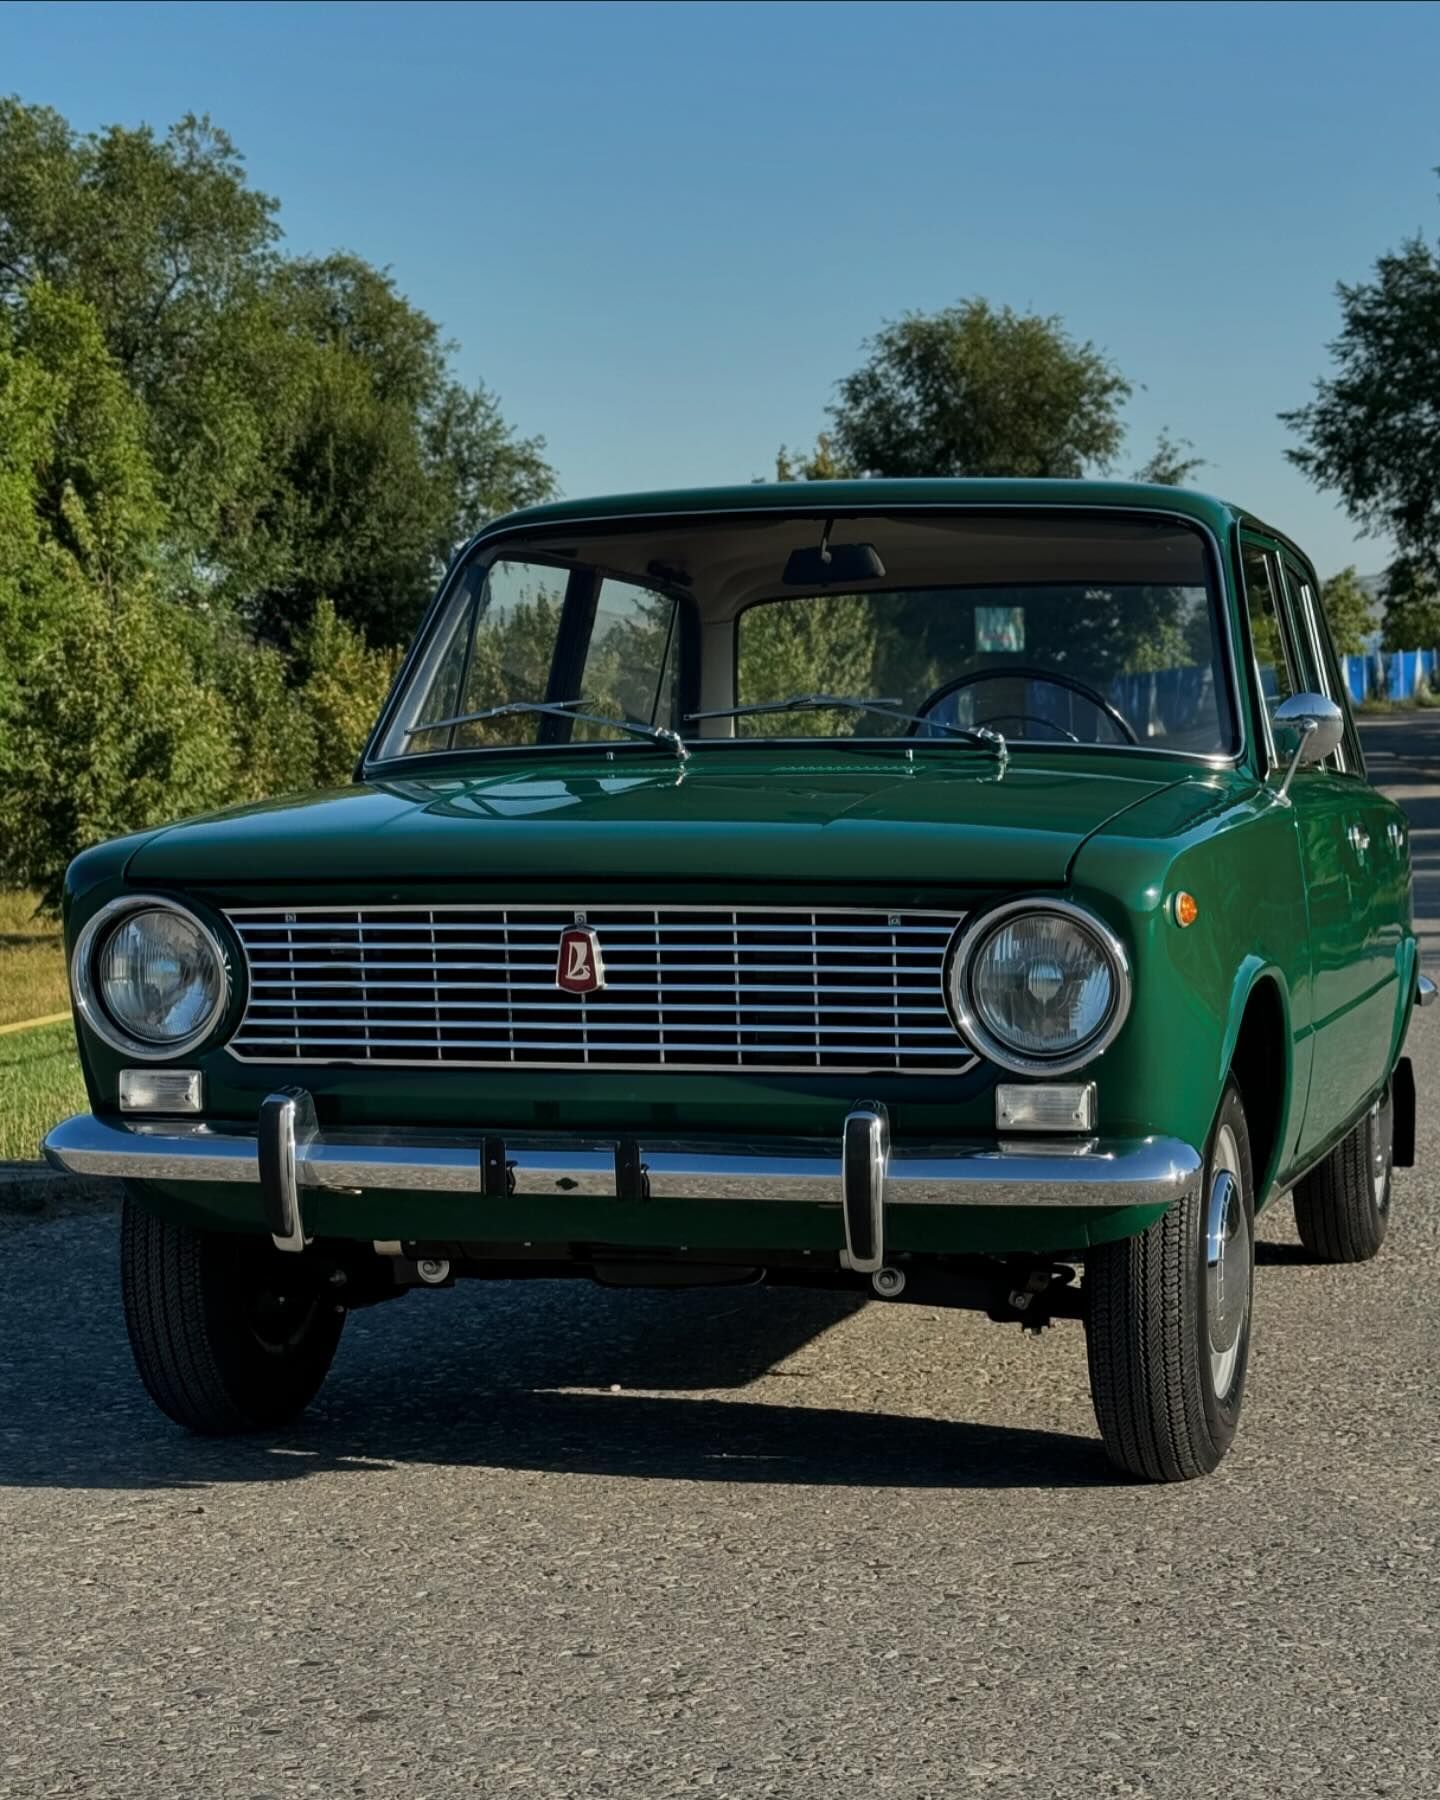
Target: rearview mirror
831	564
1317	726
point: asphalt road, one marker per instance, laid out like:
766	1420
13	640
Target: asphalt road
557	1542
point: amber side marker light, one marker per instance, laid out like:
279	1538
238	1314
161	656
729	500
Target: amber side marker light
1184	909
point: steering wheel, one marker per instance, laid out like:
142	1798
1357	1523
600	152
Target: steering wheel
1025	672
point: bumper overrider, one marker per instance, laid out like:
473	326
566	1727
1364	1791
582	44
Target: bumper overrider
861	1174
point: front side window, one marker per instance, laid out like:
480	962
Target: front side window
1274	653
499	644
1322	674
631	659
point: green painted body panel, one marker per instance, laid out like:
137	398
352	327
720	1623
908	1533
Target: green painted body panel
848	498
732	814
1115	830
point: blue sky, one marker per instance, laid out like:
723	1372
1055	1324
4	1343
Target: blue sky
662	232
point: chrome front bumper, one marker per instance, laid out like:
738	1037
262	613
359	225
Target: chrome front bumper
862	1174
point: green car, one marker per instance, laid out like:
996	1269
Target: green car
961	892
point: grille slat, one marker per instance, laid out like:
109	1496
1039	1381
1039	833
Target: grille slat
692	988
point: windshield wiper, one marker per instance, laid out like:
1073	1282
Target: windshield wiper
890	709
559	709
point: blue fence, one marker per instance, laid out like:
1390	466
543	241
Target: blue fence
1388	674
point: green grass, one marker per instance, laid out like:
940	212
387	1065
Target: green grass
32	961
39	1071
39	1084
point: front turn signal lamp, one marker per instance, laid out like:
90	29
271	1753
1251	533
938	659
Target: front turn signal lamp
1053	1106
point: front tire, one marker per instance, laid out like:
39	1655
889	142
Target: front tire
1342	1208
1167	1324
229	1335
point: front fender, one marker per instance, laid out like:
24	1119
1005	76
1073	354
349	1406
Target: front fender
1192	986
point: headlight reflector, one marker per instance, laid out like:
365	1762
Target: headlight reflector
149	977
1039	987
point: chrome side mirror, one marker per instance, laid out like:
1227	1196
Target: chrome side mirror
1317	725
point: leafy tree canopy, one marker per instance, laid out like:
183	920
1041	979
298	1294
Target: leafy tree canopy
1369	433
306	433
980	390
1172	463
1412	606
1347	607
974	390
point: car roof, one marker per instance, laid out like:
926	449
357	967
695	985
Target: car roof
878	496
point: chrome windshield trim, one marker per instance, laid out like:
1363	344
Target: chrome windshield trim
1092	1172
489	537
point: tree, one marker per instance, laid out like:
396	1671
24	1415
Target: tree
307	435
978	390
158	234
820	464
1170	463
116	732
1370	433
1347	607
345	683
1412	607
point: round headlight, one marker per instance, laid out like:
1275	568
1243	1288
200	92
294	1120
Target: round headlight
149	978
1039	988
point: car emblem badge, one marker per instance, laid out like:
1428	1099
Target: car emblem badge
580	968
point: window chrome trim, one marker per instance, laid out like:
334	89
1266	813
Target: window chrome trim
85	990
971	934
1268	550
491	538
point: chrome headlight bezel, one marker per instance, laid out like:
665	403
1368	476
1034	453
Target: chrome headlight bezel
89	1000
971	938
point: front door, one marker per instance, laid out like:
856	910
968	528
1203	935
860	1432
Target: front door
1377	868
1323	805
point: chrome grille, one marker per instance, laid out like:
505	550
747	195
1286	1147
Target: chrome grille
692	988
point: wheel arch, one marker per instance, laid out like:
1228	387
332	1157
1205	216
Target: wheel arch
1257	1051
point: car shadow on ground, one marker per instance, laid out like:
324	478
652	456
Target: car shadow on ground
520	1378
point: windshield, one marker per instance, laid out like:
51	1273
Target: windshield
1066	662
954	629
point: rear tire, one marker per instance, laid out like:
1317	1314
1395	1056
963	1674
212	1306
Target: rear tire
229	1334
1342	1208
1167	1321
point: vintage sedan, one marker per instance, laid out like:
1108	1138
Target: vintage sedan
964	892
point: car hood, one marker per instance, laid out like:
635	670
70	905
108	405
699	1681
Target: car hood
724	816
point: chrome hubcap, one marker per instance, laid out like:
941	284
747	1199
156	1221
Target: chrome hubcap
1228	1256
